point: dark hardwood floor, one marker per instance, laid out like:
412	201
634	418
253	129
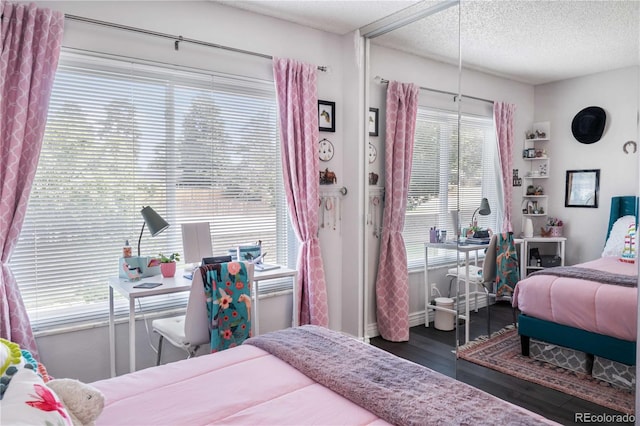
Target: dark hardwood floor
436	349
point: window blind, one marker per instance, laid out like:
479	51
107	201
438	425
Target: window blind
447	175
195	146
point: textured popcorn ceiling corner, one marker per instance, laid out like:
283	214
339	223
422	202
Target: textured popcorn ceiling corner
529	41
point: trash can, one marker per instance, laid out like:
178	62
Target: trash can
444	320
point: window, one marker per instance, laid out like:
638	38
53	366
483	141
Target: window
194	146
444	178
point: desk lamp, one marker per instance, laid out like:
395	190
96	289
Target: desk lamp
154	222
484	210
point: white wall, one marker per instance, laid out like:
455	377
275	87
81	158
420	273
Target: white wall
82	354
617	93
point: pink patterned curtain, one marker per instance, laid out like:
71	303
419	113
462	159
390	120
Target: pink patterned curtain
503	114
30	40
392	283
298	112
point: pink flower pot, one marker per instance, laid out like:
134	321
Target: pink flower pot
168	269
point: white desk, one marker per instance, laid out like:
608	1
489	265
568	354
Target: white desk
175	285
465	249
462	249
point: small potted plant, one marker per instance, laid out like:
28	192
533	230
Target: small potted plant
168	264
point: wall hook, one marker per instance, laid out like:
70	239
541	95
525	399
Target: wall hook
176	44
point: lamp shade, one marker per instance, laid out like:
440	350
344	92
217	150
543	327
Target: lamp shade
154	221
484	209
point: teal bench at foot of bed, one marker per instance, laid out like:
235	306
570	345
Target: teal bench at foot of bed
607	347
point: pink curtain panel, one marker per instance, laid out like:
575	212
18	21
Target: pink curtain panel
30	38
503	114
392	282
298	114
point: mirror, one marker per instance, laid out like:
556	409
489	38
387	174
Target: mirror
545	91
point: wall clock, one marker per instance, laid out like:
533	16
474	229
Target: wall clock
373	153
325	150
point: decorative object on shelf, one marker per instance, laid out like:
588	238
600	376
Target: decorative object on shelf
327	177
542	169
154	222
527	228
582	188
588	125
539	190
631	144
373	121
531	190
553	228
168	264
373	178
326	116
325	149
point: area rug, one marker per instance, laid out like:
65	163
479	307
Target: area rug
502	353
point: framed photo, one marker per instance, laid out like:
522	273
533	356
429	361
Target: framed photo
373	121
326	116
582	188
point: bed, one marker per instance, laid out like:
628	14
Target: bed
302	375
585	312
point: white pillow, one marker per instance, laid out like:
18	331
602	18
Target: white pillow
28	401
615	243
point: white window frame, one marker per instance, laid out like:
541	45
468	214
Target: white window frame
47	277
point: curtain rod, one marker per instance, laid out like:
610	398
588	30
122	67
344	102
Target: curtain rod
444	92
177	39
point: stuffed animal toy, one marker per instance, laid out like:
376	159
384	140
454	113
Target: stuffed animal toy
83	402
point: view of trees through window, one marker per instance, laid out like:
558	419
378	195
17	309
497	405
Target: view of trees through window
447	175
195	147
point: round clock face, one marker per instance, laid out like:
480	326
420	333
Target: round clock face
373	153
325	149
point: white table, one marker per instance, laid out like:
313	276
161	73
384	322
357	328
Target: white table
174	285
464	249
524	252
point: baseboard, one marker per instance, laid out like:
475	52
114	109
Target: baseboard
415	318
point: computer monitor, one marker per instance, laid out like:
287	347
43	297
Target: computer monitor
196	241
215	259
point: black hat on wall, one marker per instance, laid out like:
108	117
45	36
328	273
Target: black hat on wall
588	125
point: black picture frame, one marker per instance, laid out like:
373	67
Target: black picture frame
373	121
582	188
326	116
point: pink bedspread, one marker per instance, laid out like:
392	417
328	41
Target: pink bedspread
247	385
243	385
600	308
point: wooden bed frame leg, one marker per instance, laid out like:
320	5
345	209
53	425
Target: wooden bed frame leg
524	344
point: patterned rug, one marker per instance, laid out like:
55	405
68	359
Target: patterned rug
502	353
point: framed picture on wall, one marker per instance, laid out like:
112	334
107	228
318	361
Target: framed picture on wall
582	188
373	121
326	116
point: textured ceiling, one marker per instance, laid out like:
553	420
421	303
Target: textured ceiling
529	41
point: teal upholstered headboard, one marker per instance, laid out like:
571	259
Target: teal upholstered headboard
622	206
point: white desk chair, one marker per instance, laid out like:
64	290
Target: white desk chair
484	277
190	331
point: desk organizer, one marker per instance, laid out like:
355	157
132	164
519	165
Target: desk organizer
137	265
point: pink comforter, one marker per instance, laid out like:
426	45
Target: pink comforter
244	385
601	308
